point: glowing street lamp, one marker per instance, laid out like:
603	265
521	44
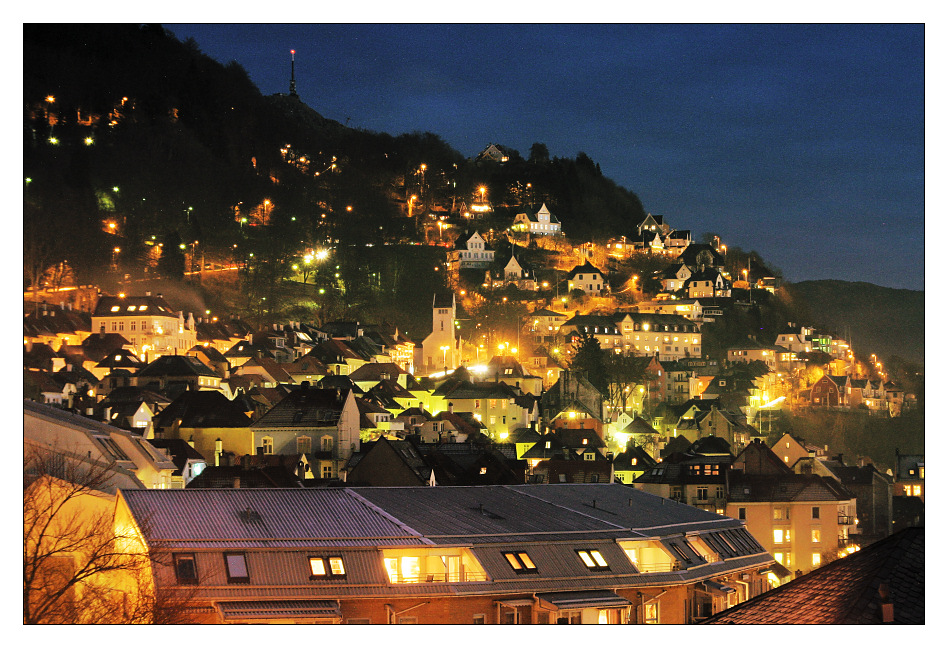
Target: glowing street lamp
444	356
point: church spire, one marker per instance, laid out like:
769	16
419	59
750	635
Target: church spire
293	73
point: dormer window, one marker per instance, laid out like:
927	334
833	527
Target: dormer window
115	309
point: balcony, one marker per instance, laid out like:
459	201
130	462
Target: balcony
466	577
649	568
845	520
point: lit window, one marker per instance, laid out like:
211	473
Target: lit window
593	559
779	557
651	613
520	562
236	564
317	567
815	535
185	569
267	443
816	560
114	309
917	490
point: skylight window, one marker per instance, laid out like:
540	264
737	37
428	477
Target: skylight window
520	562
131	308
115	309
331	567
236	564
593	559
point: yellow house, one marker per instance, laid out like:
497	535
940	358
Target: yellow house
803	520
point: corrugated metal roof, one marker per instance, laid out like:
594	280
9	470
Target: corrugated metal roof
478	511
263	517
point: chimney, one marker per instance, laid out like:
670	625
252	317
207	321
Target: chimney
147	293
237	482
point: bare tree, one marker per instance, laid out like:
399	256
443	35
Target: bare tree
78	566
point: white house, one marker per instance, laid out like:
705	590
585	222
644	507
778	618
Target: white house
587	278
470	251
540	223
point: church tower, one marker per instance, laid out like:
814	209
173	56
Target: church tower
440	349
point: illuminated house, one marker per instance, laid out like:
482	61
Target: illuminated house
653	224
672	337
909	479
470	251
538	223
308	420
149	323
588	279
673	278
802	520
697	477
530	554
750	350
633	462
706	282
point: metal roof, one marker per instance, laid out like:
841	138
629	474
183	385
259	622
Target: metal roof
264	517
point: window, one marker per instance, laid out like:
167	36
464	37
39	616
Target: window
304	444
520	562
327	471
326	443
742	513
815	535
650	613
702	493
185	569
331	567
593	559
816	560
267	443
917	490
779	557
478	619
236	564
815	513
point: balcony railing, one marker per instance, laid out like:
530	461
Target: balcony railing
845	519
648	568
466	577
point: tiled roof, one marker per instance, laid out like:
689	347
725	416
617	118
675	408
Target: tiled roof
847	591
176	365
132	306
306	408
202	409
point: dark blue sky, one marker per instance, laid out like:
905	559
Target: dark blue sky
803	142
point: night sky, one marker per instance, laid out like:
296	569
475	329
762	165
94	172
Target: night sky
802	142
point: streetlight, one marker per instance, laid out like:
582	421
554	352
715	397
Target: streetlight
444	357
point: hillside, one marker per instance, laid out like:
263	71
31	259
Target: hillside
885	321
